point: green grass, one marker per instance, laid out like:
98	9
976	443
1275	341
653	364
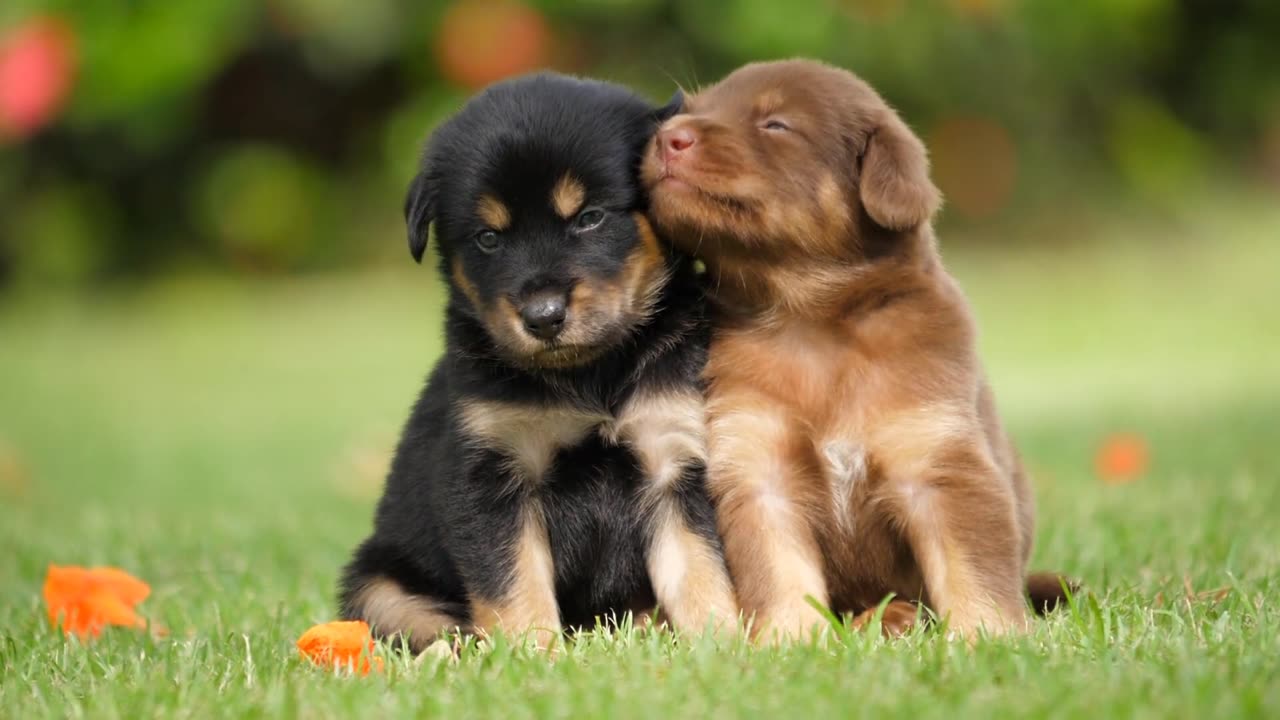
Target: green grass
223	440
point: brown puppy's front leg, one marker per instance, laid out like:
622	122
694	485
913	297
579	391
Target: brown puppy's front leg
770	548
959	517
528	604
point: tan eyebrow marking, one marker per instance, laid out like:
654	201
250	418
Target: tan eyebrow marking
493	213
567	196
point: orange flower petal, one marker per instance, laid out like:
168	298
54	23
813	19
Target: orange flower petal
62	587
84	601
346	643
121	584
61	580
109	609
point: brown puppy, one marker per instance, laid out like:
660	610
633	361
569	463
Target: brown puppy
855	448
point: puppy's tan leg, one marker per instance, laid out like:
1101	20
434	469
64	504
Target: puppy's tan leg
689	578
971	580
960	518
667	433
770	548
391	611
528	607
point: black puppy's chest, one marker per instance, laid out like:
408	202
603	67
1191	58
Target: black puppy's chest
594	476
598	530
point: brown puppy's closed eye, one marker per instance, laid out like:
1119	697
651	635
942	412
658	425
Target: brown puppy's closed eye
855	449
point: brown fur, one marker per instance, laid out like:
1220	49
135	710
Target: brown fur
464	283
567	196
899	618
493	213
854	445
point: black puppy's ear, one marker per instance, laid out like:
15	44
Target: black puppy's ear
419	212
671	109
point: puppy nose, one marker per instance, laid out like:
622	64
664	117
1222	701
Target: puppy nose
677	140
543	315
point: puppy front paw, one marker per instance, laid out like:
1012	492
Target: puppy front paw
788	622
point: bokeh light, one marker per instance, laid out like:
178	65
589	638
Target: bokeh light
120	128
483	41
1122	458
872	11
1158	155
975	164
37	68
979	8
1269	149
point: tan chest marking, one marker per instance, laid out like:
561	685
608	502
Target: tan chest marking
529	435
666	432
846	469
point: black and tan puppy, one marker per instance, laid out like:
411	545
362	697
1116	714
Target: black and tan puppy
552	470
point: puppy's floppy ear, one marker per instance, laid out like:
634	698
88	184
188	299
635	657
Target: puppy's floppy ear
419	211
671	109
894	185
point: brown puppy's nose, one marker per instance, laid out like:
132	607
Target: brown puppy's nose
675	141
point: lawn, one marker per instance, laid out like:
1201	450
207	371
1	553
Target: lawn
224	441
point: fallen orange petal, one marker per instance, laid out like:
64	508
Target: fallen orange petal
1122	458
344	643
111	609
83	601
128	588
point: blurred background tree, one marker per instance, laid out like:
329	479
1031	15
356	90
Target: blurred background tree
277	136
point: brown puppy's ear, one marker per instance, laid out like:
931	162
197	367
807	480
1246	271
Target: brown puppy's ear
894	185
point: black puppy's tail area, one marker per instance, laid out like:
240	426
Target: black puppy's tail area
1048	591
373	590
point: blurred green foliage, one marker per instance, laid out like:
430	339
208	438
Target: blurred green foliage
278	135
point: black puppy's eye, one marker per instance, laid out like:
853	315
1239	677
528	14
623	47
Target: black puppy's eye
589	219
487	241
776	126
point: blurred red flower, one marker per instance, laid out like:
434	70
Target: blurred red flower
37	66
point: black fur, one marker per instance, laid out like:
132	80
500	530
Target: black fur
448	519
